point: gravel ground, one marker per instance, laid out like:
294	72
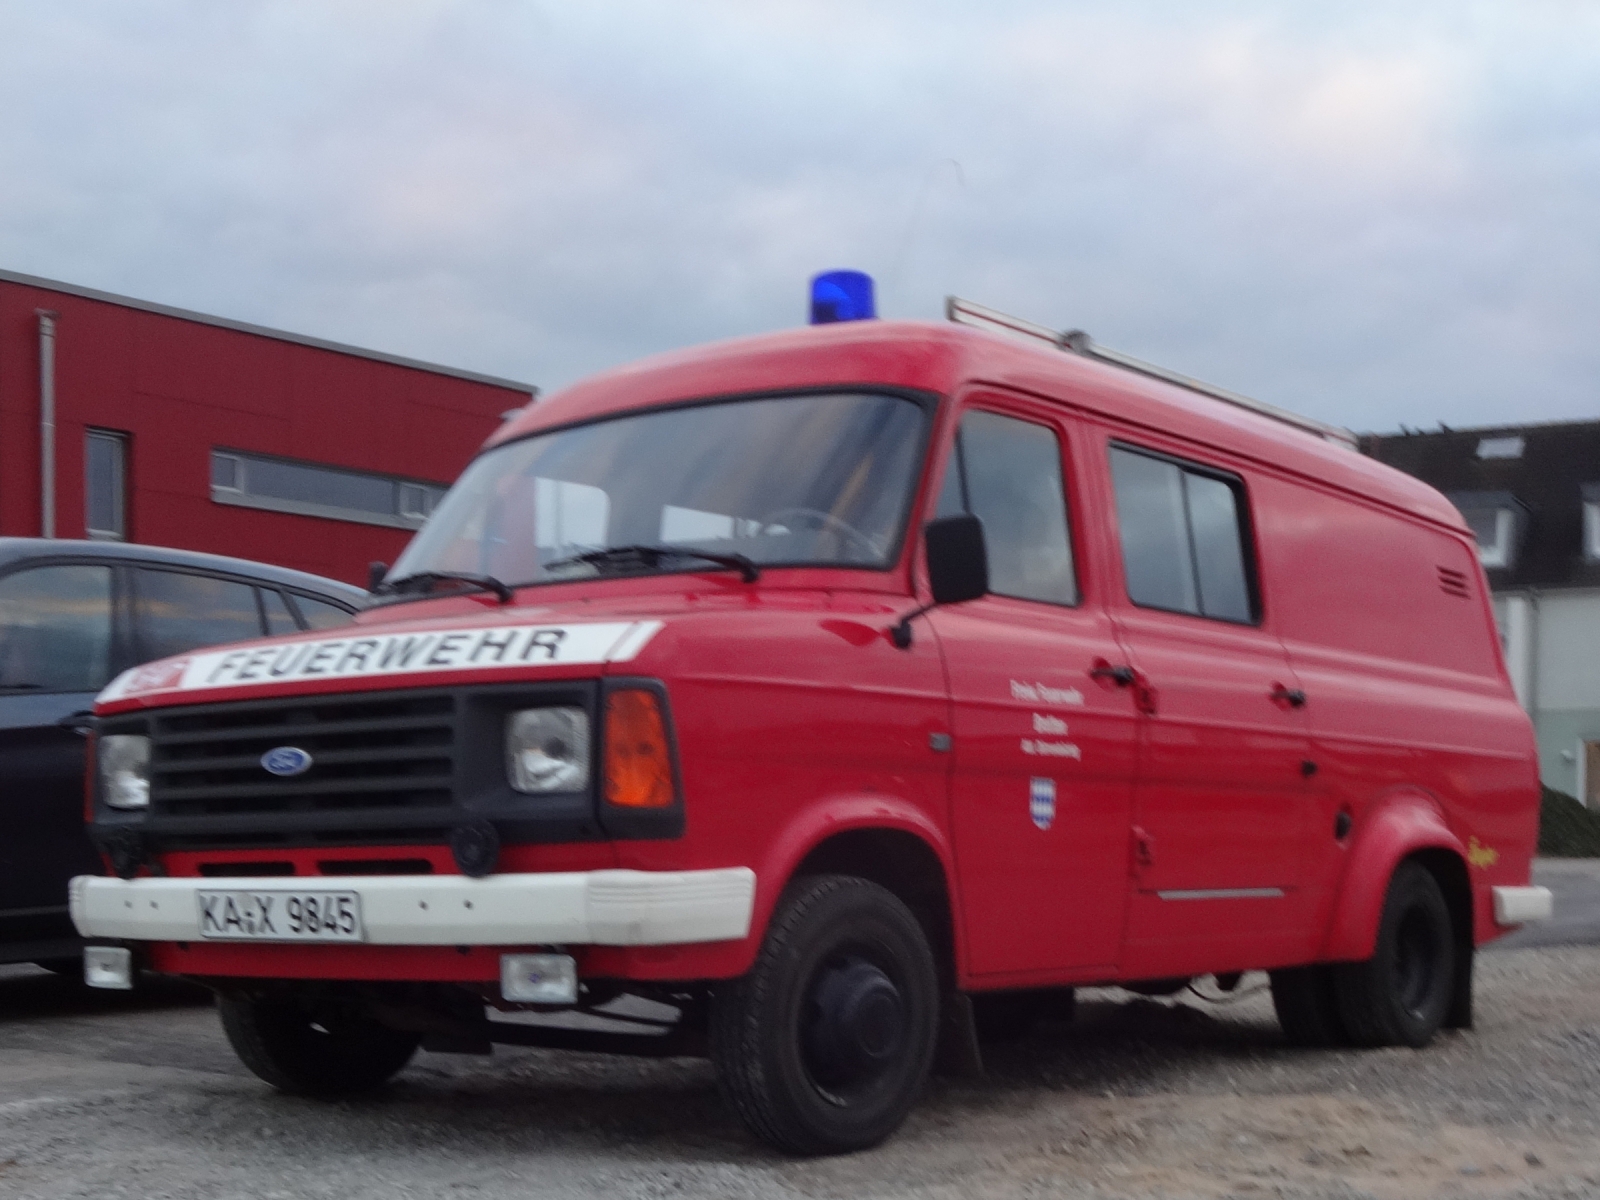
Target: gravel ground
106	1095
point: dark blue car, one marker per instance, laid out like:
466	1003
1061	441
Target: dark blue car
72	616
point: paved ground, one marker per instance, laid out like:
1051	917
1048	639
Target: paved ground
108	1095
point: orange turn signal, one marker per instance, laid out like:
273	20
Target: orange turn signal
638	767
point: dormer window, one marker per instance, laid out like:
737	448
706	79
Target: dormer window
1497	520
1500	447
1591	521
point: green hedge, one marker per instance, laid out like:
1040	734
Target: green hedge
1566	828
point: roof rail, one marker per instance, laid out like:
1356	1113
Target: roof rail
1075	341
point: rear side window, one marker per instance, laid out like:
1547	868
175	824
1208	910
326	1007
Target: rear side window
1184	543
319	614
55	629
1008	472
175	611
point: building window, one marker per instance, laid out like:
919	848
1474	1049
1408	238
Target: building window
1591	521
310	490
1495	530
105	485
1497	521
1500	447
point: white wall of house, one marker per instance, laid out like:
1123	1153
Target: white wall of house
1552	647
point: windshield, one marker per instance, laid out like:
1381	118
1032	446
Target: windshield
793	480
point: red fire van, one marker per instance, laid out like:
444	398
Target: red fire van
788	699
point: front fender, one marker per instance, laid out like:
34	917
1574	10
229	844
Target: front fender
818	822
1400	826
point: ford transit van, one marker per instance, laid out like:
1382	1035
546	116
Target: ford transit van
788	700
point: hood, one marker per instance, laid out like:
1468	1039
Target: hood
571	639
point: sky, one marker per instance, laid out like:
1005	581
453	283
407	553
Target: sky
1378	213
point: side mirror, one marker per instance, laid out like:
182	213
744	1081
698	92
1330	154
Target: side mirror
375	573
958	562
958	568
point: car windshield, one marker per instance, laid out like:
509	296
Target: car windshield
821	479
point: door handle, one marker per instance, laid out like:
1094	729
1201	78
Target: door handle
1124	676
1288	697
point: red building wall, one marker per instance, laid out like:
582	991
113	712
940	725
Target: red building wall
180	386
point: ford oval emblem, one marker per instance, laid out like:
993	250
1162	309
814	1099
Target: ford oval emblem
286	760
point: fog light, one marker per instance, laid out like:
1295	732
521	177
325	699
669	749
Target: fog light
539	978
547	750
108	967
124	760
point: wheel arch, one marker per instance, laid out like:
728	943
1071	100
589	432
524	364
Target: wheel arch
904	864
1405	825
894	844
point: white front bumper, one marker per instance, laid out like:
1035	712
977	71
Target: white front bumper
605	908
1522	905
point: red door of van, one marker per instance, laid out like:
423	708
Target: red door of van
1222	817
1041	787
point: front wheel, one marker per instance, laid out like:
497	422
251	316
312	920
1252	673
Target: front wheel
326	1049
1401	995
825	1044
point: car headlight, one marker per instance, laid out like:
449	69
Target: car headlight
547	749
124	760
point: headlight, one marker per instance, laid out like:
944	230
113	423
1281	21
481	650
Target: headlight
124	760
547	749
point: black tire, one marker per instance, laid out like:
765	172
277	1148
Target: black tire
1307	1004
327	1050
69	968
824	1046
1401	995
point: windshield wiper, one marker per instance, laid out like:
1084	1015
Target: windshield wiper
651	556
487	582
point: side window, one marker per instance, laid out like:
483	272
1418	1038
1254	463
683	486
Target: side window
1008	472
55	629
1183	537
319	614
174	611
279	618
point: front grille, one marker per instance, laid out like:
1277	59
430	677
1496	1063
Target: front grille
400	768
382	767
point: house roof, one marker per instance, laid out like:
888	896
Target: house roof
1557	470
282	335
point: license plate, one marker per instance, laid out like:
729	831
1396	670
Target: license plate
281	916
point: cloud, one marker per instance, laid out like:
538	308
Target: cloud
1373	215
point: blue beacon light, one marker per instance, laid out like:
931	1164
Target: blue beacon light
841	296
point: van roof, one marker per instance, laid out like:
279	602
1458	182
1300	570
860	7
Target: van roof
940	358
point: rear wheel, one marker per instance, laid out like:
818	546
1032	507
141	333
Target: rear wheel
1401	995
1308	1006
825	1044
326	1049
